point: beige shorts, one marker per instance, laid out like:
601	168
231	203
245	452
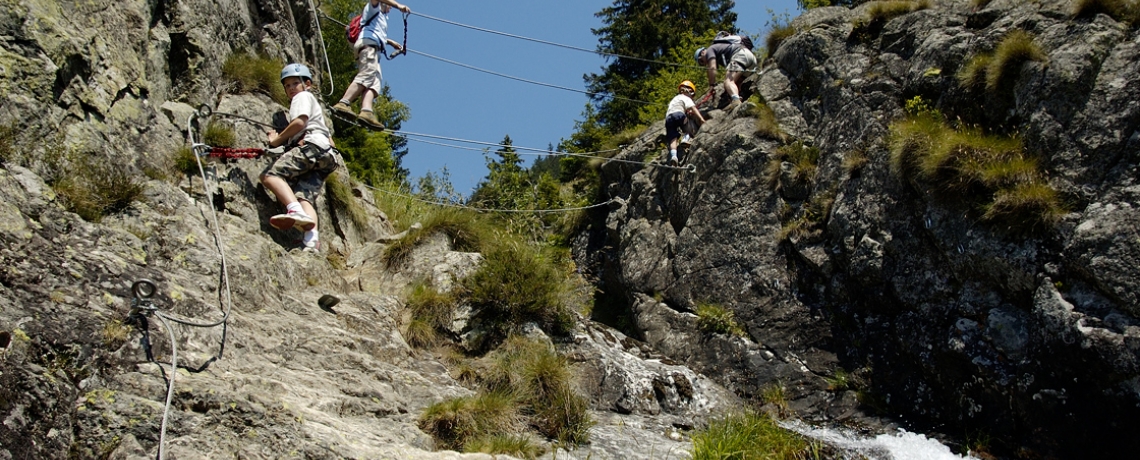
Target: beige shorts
368	67
741	61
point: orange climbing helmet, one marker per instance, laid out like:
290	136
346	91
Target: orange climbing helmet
688	84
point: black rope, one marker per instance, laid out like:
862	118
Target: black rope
404	49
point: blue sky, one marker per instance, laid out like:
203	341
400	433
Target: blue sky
452	101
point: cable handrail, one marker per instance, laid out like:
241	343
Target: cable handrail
546	42
478	209
533	82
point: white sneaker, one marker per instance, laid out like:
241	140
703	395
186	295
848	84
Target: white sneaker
686	141
292	219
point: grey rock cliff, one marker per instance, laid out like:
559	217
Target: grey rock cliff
943	320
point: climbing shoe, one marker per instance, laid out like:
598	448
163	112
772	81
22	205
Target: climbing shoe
732	105
292	219
311	246
369	118
686	141
674	161
344	109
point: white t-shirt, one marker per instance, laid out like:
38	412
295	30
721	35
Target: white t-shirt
680	103
376	32
316	131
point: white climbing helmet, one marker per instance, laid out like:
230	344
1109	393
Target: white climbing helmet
296	70
698	54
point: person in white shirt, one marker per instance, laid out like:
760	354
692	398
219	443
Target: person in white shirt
681	116
369	80
297	177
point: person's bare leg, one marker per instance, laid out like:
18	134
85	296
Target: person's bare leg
280	189
731	86
352	92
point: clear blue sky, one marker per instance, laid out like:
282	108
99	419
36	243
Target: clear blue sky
447	100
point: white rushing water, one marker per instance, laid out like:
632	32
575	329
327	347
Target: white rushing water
900	445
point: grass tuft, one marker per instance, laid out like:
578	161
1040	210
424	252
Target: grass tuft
992	172
766	123
94	188
1126	11
465	229
1015	49
504	444
431	312
115	334
515	285
7	144
715	319
804	160
777	35
878	13
184	162
540	378
342	199
219	134
748	435
455	422
972	76
256	73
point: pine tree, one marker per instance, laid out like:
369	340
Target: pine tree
648	29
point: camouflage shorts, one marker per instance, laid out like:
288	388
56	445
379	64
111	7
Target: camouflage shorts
305	169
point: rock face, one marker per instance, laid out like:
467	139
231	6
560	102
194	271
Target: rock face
937	318
283	377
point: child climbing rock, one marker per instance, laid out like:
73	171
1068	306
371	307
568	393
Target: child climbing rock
296	177
681	115
368	80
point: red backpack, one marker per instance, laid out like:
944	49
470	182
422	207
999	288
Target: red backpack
352	30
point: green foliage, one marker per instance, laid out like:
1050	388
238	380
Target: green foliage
650	29
661	86
878	13
431	312
809	4
972	76
94	188
503	444
256	73
375	158
455	422
540	378
803	158
917	106
1126	11
807	221
219	134
341	199
515	285
779	32
510	187
776	395
748	436
466	230
766	123
715	319
1015	49
183	161
991	172
7	143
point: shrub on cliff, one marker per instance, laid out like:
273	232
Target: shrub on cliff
998	70
256	73
991	172
1126	11
878	13
750	435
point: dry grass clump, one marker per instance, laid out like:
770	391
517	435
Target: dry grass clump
807	221
7	143
878	13
431	312
998	70
94	188
777	35
992	171
342	199
1126	11
715	319
464	228
734	435
456	422
219	134
256	73
516	285
804	161
766	123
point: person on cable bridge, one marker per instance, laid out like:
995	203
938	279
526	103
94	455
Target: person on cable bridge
735	53
368	47
681	115
297	176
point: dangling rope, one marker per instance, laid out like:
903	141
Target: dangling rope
324	49
403	49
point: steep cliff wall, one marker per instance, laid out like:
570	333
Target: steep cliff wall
870	278
112	85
